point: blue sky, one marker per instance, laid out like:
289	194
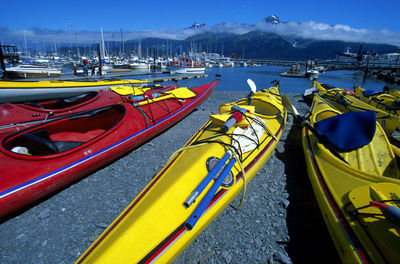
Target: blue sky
150	15
82	16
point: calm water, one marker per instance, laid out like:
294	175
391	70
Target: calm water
236	79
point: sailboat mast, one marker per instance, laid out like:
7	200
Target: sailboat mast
103	53
25	46
122	41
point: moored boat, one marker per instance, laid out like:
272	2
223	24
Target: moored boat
139	66
32	71
17	116
353	171
44	158
20	91
183	199
186	66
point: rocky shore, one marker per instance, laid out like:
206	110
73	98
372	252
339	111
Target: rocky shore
389	76
279	221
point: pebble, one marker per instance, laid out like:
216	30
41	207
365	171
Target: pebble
102	225
284	202
44	243
282	258
44	214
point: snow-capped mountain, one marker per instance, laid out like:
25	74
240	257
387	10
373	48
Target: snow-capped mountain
274	19
197	25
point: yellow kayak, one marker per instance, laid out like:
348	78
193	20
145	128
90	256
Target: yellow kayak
19	91
172	210
383	101
344	101
391	91
315	88
350	185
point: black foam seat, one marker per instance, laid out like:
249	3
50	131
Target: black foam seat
37	145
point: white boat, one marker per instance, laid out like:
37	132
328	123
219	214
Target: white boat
140	66
121	65
312	74
188	70
32	71
186	66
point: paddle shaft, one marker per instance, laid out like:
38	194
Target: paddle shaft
191	222
236	117
138	98
199	189
155	100
179	93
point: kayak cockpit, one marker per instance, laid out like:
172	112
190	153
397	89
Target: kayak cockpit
374	156
62	103
66	133
263	107
325	114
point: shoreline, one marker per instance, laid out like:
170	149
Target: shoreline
279	221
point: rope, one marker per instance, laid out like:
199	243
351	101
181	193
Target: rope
144	115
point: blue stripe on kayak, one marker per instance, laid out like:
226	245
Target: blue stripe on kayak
69	166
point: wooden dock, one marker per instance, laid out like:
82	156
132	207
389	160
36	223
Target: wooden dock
165	77
175	78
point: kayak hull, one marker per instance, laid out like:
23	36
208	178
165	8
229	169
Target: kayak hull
152	228
117	129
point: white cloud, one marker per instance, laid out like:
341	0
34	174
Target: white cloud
324	31
305	30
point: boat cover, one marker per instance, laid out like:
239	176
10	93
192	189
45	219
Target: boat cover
348	131
368	92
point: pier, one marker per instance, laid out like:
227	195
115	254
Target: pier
165	77
386	70
156	79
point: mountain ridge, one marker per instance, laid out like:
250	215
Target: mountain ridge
261	45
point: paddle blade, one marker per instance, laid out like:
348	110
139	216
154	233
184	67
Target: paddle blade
122	90
139	90
182	93
289	106
252	85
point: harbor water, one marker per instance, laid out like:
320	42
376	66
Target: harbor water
235	79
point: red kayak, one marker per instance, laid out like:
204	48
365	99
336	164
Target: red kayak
44	158
17	116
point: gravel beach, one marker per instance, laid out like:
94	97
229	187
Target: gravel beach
279	221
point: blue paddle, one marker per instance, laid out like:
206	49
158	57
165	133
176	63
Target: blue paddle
199	189
191	222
